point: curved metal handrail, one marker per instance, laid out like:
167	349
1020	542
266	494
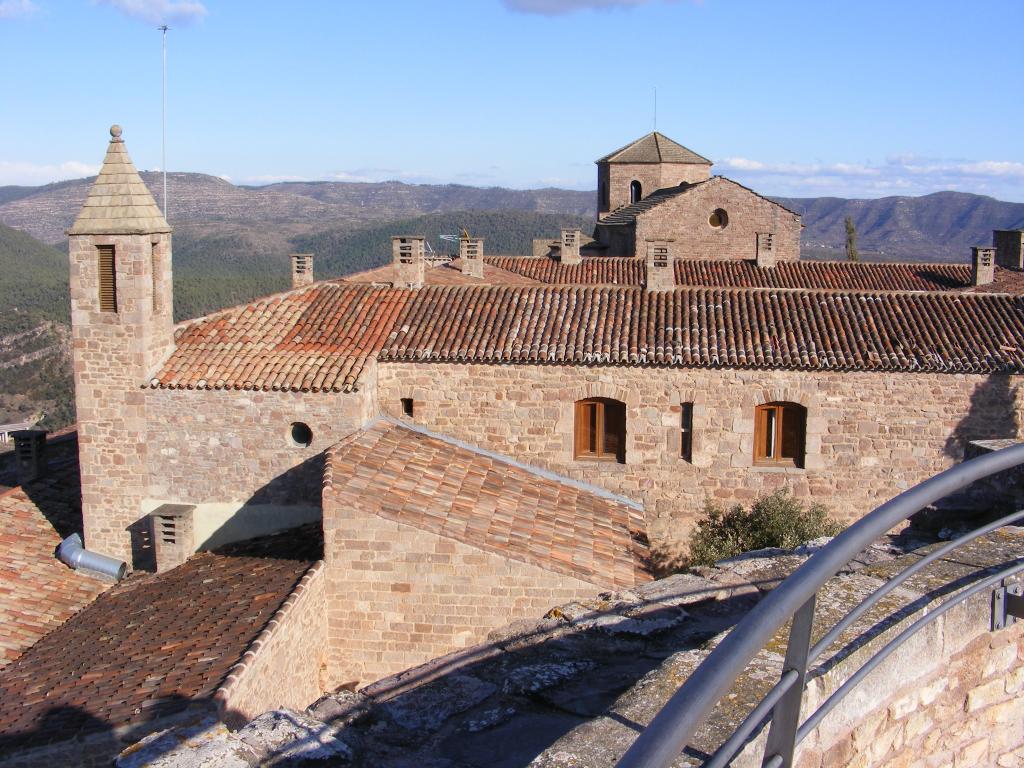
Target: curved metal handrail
673	727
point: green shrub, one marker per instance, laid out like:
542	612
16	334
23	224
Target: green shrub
777	520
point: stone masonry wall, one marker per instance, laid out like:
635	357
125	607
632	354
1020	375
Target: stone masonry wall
652	177
218	446
285	665
684	219
113	353
398	596
869	435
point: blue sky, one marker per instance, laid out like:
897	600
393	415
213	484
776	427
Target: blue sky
807	97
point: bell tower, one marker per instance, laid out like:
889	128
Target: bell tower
122	328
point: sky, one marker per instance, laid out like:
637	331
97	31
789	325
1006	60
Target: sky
794	98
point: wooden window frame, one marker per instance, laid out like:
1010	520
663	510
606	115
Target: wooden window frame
599	449
106	278
778	418
686	432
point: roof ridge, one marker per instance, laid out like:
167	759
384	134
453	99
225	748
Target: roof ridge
544	473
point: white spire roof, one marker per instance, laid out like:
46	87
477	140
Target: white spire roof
119	203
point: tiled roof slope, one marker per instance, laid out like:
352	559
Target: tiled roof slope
823	275
654	148
444	274
118	201
37	591
150	646
627	214
490	503
320	338
814	330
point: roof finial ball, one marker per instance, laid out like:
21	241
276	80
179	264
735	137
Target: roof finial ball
115	132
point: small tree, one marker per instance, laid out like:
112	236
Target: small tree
777	520
851	240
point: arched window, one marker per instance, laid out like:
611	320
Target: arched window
636	192
779	431
601	429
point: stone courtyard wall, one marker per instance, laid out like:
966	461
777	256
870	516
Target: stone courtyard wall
869	435
398	596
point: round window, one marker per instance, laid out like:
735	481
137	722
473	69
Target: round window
301	434
718	219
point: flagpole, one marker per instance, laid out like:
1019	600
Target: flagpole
163	147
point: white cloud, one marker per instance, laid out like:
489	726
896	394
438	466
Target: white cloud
899	174
31	174
180	12
561	7
17	9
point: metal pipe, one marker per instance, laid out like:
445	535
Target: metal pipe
78	557
673	727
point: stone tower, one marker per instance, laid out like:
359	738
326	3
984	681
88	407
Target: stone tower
651	162
122	328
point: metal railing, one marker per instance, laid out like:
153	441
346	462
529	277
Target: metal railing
675	725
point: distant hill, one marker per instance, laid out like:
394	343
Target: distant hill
287	208
207	209
938	227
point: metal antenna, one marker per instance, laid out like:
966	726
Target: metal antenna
655	107
163	147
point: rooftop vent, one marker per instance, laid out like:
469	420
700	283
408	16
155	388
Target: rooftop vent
471	256
983	265
302	269
30	454
407	258
571	246
173	534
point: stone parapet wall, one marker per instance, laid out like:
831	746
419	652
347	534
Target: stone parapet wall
285	665
869	435
398	596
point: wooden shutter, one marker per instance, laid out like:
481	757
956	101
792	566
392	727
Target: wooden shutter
107	278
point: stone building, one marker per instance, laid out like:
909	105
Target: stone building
502	429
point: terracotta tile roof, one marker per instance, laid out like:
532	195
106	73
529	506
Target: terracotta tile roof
654	148
444	274
150	646
489	502
37	591
816	330
821	275
321	337
317	338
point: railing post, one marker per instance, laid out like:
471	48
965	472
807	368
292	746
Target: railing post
786	714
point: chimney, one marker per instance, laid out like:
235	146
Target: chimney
660	265
408	261
1009	245
302	269
471	256
570	253
983	265
765	256
173	534
30	454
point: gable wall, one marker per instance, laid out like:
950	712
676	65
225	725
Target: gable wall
684	219
869	435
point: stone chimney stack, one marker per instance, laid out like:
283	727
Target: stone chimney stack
302	269
570	248
660	265
407	256
173	532
30	454
983	265
765	256
471	256
1009	245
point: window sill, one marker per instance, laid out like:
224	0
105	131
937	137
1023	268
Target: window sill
779	468
594	461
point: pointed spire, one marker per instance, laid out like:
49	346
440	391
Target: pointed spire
119	203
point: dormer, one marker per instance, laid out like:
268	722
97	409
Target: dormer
652	162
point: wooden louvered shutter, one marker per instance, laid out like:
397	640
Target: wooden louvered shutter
107	279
